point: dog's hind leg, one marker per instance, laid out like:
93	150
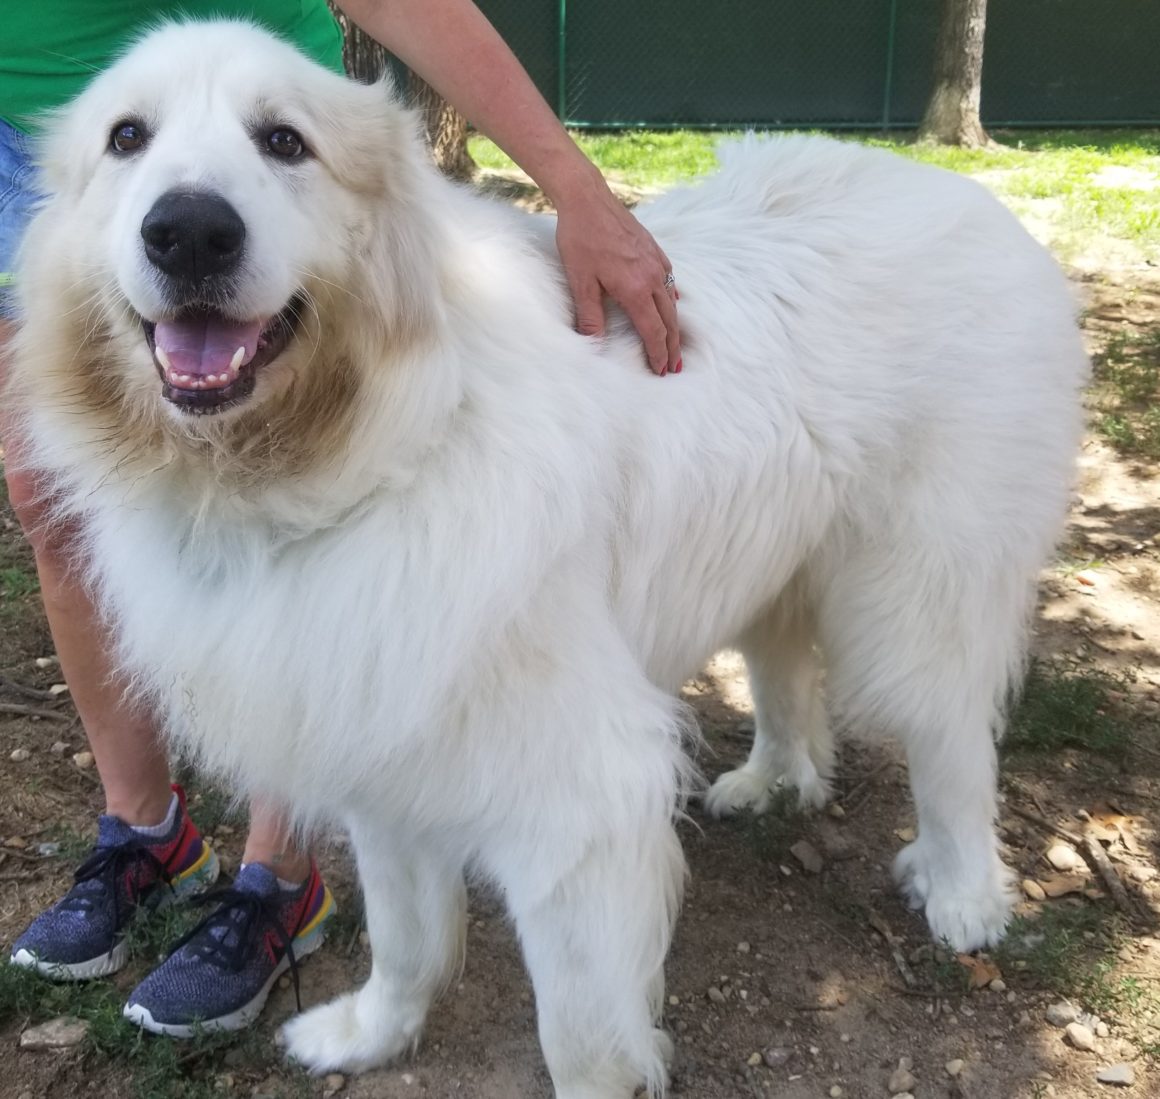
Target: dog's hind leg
416	906
792	744
927	653
595	946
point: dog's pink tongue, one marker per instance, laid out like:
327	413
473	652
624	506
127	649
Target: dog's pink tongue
205	345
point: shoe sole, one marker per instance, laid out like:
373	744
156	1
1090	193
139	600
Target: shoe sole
245	1015
197	879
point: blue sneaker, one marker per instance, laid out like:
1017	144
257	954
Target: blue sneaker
219	975
83	935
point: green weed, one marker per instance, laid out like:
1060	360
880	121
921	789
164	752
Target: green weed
1062	707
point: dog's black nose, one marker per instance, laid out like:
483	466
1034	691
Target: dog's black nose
192	235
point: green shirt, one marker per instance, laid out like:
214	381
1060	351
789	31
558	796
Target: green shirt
49	49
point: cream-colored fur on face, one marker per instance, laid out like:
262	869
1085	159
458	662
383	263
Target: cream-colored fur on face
443	575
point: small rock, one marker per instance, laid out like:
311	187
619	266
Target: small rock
835	1092
901	1080
1080	1037
1086	577
59	748
59	1033
58	689
334	1082
1102	1030
407	1078
742	948
998	985
20	755
1061	1014
1122	1076
46	661
754	1060
1062	857
777	1056
835	810
283	982
715	994
84	760
47	850
675	1001
1033	890
955	1067
807	854
18	842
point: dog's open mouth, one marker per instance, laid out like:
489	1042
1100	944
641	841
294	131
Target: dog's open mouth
209	362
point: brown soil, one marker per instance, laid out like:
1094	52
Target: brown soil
771	964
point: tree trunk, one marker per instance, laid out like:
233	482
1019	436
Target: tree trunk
446	130
952	115
445	127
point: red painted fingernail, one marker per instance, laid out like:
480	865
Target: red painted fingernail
679	367
677	292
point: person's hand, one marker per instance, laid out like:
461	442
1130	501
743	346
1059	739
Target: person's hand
605	250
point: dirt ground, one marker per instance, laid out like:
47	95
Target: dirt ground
785	979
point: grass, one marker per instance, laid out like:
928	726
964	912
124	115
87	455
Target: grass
157	1068
1063	707
770	834
1072	951
1126	392
1104	182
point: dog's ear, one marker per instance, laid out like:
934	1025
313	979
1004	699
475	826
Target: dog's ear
67	149
377	151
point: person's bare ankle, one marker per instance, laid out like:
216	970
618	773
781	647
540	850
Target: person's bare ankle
139	809
291	867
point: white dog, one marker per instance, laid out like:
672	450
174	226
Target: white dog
385	539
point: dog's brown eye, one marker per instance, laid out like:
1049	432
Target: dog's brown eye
285	143
127	137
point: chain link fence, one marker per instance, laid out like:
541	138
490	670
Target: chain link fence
831	63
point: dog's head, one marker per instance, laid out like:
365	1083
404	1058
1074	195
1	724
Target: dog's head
221	212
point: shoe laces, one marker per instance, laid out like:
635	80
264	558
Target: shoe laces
228	937
102	871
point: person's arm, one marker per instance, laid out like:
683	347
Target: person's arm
604	249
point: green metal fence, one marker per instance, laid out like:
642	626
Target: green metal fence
832	63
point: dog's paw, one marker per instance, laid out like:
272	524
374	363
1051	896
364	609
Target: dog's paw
737	790
753	790
970	911
350	1034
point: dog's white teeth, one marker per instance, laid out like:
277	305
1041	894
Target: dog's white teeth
163	359
236	361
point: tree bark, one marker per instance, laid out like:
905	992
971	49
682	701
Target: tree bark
952	115
446	130
445	127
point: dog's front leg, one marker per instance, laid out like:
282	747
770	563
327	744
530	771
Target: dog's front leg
595	946
416	906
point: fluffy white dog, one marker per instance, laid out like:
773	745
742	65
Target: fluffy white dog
383	538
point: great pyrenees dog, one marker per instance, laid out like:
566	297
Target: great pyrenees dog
383	538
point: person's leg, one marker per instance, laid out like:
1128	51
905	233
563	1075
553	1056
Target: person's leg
129	756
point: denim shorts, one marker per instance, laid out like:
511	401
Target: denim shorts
17	200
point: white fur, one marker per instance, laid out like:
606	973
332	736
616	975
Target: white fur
460	630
